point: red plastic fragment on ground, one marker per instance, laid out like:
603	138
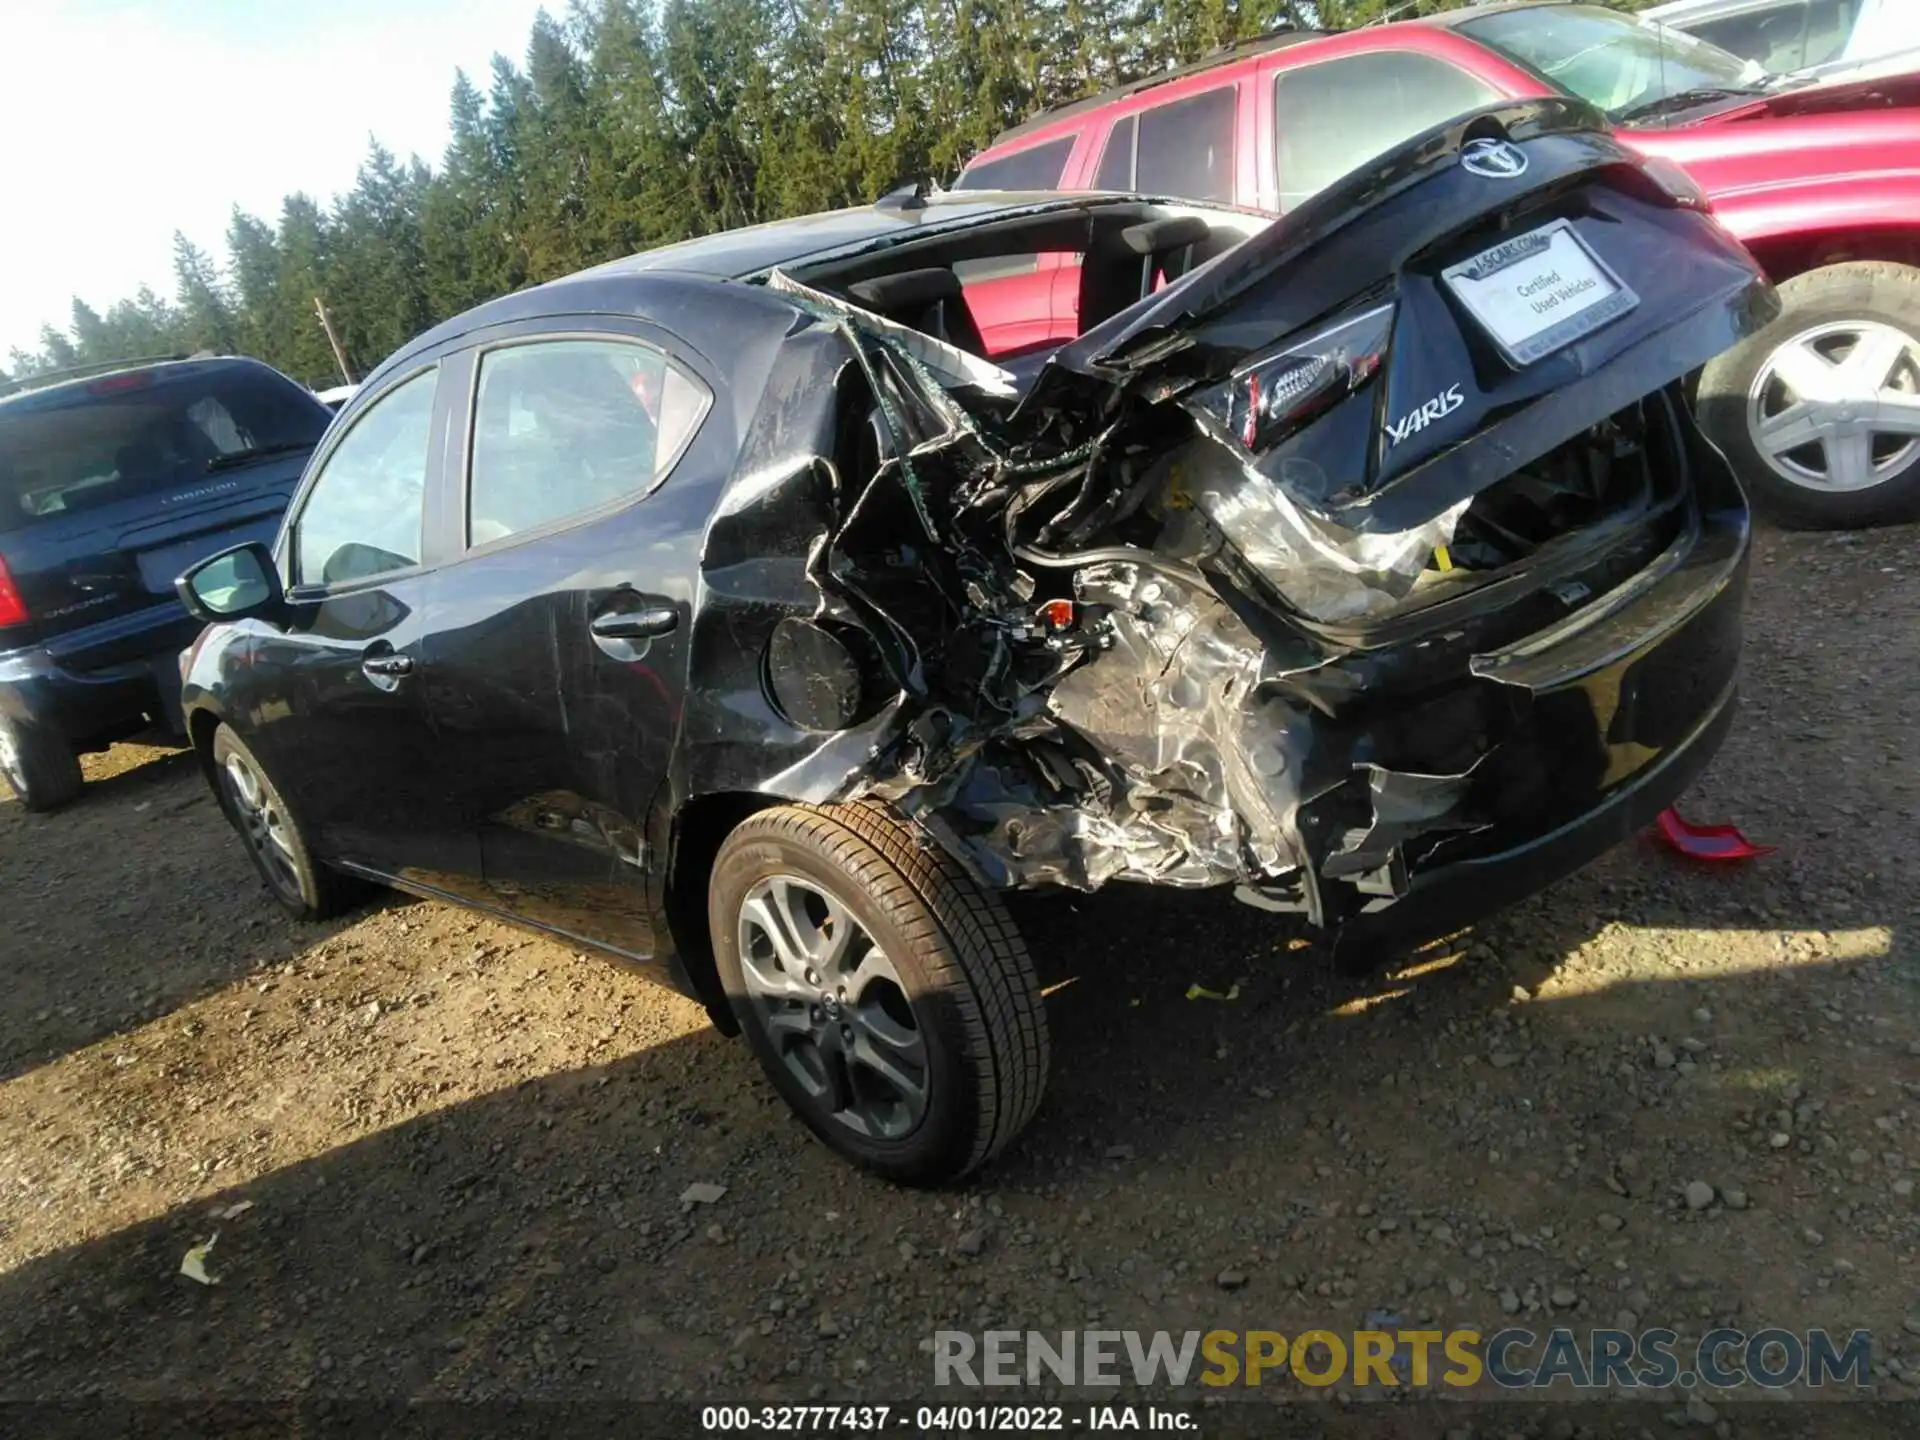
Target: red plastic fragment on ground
1708	842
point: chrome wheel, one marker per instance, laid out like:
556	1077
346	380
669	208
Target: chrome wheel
833	1007
1837	407
10	762
262	824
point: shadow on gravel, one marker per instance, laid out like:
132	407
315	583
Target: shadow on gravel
129	904
136	782
532	1243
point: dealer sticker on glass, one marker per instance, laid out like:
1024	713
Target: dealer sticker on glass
1539	291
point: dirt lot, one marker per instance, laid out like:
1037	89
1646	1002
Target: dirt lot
462	1148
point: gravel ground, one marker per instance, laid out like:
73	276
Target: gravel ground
445	1158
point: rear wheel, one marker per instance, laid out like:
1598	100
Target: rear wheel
889	999
276	840
1820	411
38	766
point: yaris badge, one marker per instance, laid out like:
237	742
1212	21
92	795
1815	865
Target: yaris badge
1495	159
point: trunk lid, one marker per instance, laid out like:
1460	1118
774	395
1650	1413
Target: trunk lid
1457	381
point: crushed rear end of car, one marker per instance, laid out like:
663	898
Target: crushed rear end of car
1374	568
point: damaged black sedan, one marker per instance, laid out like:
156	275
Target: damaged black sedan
738	609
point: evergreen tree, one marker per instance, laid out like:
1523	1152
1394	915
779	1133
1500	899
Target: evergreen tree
56	350
299	344
376	252
556	143
719	91
460	215
207	321
91	338
639	177
635	123
255	264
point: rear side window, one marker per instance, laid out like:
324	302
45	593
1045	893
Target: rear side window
1038	167
1116	161
142	432
562	427
1335	116
1186	148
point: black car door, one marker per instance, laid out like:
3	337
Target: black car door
331	699
557	660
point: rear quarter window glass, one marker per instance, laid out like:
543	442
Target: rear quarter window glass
122	436
1038	167
1333	117
1186	147
1116	161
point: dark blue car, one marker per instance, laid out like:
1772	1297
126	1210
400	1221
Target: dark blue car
728	609
110	486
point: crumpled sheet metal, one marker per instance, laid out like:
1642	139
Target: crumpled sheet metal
949	364
1405	805
1327	572
1165	756
1200	767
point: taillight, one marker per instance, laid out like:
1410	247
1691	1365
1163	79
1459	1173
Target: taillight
1267	399
13	610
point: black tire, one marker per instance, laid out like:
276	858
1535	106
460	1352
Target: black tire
38	766
1858	291
277	841
975	1002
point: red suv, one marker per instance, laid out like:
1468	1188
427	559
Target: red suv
1820	411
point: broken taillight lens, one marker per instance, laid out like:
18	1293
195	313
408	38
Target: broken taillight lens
1269	398
13	609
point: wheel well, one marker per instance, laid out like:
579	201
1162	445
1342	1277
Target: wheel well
699	830
200	727
1786	256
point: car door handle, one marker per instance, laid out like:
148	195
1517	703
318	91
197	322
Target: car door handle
387	667
634	624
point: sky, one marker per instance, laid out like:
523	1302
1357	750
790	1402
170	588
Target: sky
129	119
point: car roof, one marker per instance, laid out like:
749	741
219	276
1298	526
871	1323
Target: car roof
64	392
734	254
1701	9
1279	39
738	254
1451	19
1282	39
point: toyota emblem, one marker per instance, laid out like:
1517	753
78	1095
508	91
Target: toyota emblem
1495	159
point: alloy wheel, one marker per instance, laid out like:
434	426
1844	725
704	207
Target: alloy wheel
833	1006
263	824
1837	407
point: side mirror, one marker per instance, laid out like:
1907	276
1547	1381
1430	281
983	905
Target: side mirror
236	584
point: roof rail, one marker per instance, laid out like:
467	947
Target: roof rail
1276	39
40	379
